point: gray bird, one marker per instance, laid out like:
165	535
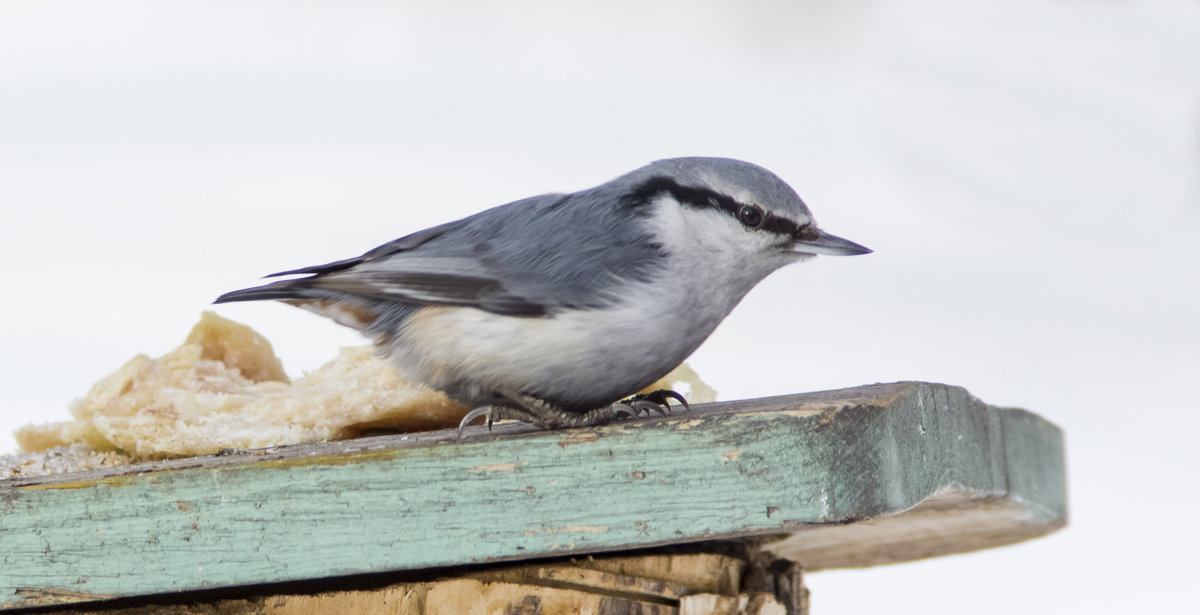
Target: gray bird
553	308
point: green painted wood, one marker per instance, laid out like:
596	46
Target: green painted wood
755	467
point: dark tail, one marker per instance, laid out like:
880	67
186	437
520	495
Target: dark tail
290	289
354	312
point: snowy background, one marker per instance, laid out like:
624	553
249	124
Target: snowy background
1028	174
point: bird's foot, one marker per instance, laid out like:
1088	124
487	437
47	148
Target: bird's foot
545	415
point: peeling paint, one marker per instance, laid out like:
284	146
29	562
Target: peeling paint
591	529
811	410
495	467
47	596
110	481
578	438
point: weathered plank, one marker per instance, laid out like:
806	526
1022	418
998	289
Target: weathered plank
787	465
579	585
448	597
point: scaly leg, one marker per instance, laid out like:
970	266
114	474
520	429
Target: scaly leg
529	409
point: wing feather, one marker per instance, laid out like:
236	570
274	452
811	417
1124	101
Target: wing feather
514	259
431	281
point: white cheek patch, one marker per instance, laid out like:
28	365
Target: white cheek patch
684	227
710	232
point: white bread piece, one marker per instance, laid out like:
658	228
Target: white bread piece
225	388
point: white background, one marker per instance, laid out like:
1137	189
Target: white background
1027	173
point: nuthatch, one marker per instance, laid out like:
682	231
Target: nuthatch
553	308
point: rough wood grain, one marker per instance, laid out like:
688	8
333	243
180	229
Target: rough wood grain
712	604
784	465
705	572
450	597
573	586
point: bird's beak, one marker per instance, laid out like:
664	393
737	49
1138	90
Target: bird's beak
828	244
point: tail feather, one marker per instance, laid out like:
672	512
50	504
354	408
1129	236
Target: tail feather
279	290
344	309
321	269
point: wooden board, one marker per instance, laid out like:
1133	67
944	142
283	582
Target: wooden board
802	465
649	585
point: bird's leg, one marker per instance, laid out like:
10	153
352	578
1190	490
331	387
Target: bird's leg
543	414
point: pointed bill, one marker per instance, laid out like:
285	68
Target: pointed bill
829	244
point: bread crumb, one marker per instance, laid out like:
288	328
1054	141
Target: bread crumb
224	388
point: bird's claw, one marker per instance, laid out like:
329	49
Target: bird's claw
659	401
484	411
626	408
643	407
495	413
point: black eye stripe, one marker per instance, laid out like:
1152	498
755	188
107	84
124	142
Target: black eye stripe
789	228
707	199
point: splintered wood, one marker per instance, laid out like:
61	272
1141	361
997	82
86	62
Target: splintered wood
688	584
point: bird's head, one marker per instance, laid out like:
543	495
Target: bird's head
735	208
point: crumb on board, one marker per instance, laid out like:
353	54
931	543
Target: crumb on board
224	388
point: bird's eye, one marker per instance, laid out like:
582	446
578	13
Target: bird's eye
750	215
